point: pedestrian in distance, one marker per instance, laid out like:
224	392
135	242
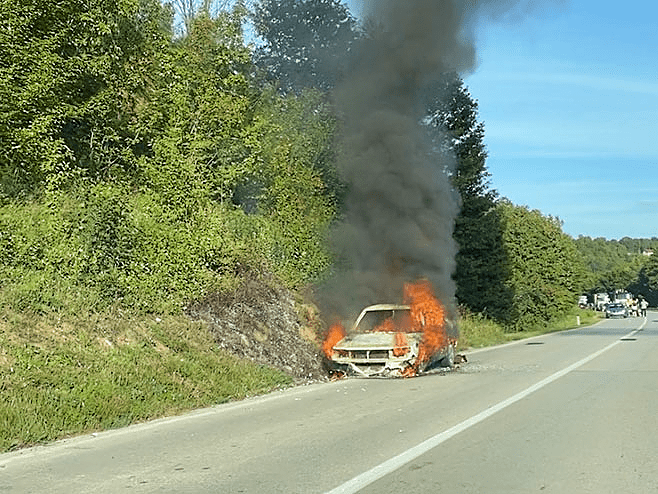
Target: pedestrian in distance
644	305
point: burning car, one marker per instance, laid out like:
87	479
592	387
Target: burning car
394	340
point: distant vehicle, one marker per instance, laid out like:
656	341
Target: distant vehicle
600	301
623	297
616	309
582	301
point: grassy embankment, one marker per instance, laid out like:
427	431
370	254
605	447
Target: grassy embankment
62	376
477	331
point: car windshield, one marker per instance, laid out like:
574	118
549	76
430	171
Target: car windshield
384	320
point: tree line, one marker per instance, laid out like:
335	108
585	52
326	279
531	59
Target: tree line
146	168
627	264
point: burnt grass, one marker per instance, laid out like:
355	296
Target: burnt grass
262	321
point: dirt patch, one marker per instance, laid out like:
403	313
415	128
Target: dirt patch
261	321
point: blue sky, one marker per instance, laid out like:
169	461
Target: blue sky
568	94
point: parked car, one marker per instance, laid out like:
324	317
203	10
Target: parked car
616	309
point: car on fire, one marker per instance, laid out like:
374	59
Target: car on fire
382	343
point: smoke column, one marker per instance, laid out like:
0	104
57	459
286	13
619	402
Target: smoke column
400	206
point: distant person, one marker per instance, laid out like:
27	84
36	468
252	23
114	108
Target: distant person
644	305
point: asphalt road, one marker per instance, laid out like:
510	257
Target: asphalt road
562	413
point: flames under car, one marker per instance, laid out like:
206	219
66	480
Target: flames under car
382	344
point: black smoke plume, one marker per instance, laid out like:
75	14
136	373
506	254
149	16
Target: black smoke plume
400	206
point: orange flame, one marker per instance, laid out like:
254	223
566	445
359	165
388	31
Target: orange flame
402	324
401	345
387	326
409	372
428	316
334	335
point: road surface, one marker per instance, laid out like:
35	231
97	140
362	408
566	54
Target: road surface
561	413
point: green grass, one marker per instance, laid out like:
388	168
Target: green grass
63	376
476	331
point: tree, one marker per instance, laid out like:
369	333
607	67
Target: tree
646	283
545	269
143	145
198	114
217	139
455	130
188	10
297	185
70	74
305	41
614	264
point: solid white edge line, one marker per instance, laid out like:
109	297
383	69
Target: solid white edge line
366	478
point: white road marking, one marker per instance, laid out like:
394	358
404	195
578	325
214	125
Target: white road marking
366	478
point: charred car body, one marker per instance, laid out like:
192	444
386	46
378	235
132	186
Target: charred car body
384	342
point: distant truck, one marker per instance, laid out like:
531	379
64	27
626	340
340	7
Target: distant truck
623	297
601	300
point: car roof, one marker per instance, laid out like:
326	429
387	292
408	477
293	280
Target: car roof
376	307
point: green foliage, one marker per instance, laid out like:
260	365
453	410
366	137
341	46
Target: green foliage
646	283
198	117
305	41
545	270
476	330
615	264
137	198
41	259
63	376
481	267
651	273
70	73
112	247
299	187
454	114
107	233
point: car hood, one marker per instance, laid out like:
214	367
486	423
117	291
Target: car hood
373	341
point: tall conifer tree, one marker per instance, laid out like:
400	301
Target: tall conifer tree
480	271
